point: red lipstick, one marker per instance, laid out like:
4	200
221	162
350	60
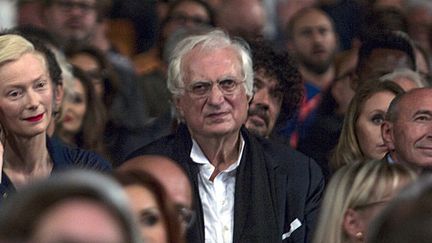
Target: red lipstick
35	118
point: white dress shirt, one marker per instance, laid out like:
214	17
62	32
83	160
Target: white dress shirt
217	196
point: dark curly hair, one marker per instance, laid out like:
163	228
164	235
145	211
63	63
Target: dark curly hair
281	67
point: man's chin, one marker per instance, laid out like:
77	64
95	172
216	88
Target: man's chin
260	131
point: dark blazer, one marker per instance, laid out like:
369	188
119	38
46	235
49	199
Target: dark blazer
275	185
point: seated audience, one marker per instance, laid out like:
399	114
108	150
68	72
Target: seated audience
30	79
153	210
355	195
83	120
407	218
210	77
361	132
407	129
75	206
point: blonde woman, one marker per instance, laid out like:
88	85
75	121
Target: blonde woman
361	131
30	84
355	195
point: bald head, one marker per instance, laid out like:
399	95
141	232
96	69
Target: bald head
168	173
244	18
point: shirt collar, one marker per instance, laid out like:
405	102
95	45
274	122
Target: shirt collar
198	156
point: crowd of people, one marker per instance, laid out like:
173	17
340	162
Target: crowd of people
221	121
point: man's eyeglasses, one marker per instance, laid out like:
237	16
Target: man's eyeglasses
202	89
69	5
186	215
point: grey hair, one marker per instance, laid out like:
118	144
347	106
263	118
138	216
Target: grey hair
405	73
22	211
215	39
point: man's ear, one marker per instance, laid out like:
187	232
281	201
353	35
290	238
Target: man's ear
353	225
387	135
179	109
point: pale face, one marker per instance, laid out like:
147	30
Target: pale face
217	114
71	20
26	96
78	220
149	216
91	67
75	106
265	106
411	134
314	41
368	126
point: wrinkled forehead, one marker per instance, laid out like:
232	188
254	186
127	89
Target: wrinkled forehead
206	60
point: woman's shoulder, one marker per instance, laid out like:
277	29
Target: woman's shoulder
64	156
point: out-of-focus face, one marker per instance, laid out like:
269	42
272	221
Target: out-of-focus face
71	20
91	67
216	113
265	106
186	14
368	126
75	106
149	216
80	221
383	61
26	96
314	41
410	136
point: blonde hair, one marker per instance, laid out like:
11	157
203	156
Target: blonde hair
348	149
12	47
353	186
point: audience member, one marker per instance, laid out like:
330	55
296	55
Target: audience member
313	42
419	15
183	13
74	23
76	206
407	217
83	122
211	79
30	80
406	130
153	211
242	18
355	195
277	89
406	78
172	177
383	53
325	131
423	61
361	132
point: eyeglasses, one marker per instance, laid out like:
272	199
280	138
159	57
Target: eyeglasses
202	89
69	5
186	215
183	19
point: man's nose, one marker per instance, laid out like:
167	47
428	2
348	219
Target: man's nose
32	100
215	96
262	98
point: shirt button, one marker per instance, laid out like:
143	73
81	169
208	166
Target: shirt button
226	228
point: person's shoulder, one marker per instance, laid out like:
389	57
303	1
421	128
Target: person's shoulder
65	156
162	146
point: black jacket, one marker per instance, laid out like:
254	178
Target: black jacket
275	185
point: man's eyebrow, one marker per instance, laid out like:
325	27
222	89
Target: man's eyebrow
423	112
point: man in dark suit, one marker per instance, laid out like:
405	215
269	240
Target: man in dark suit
246	189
